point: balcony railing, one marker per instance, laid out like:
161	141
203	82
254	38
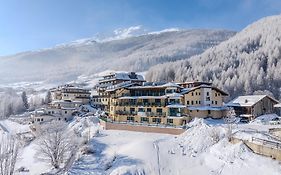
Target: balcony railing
158	114
140	104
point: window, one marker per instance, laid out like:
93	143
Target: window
216	94
187	102
157	101
156	120
199	102
65	119
196	102
191	102
195	93
65	112
216	102
192	94
144	119
148	109
59	118
212	102
190	110
170	121
199	93
131	119
141	110
209	112
132	109
208	94
159	110
38	120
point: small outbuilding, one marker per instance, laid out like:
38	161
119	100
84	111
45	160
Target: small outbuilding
252	106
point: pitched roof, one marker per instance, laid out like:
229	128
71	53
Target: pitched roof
248	100
187	90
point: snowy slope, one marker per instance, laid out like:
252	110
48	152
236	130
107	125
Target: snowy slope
137	53
202	149
248	62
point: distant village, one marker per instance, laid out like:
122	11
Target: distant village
128	98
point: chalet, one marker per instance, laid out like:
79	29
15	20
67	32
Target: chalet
205	100
252	106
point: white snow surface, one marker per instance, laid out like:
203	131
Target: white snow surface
202	149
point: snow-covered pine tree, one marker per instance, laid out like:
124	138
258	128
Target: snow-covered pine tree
24	100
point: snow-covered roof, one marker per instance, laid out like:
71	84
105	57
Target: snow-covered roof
122	76
65	102
248	100
205	108
186	90
119	85
146	87
277	105
171	84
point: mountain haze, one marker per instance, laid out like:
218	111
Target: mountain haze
67	61
249	62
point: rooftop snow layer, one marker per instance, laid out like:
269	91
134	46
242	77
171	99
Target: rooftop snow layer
248	100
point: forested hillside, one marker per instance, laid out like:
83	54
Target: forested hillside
249	62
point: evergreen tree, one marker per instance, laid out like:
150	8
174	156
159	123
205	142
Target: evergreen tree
48	98
24	100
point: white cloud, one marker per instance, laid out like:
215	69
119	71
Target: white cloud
123	33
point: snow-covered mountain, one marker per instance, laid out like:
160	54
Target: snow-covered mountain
138	53
249	62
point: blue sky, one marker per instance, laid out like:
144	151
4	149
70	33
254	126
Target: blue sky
34	24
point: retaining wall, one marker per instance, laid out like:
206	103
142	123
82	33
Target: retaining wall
140	128
260	149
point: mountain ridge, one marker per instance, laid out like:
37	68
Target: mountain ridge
129	54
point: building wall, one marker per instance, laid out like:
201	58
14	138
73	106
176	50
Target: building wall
216	98
137	128
205	114
264	106
193	98
177	121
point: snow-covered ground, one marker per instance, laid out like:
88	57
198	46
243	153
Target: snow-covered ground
202	149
